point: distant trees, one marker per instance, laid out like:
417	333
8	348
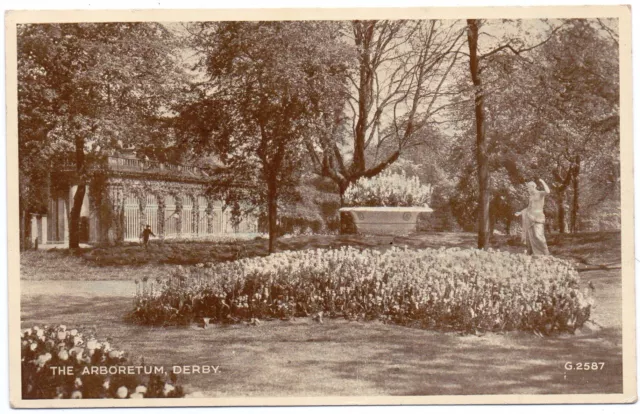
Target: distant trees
577	93
85	88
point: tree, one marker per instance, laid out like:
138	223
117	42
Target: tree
89	87
35	119
268	83
396	89
477	66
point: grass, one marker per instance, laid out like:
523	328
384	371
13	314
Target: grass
305	358
132	261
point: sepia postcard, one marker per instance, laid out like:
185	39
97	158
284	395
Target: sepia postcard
274	207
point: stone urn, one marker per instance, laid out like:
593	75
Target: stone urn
396	221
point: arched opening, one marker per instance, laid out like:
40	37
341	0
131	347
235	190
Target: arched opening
186	215
132	218
151	213
170	217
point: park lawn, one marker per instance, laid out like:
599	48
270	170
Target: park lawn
305	358
131	261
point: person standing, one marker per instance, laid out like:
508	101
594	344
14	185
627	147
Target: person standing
145	236
533	220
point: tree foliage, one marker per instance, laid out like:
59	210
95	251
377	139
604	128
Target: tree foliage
268	83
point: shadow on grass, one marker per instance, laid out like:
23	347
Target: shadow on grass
304	358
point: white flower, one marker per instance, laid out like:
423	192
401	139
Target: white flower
76	395
33	346
73	332
43	359
78	382
62	335
77	340
141	389
122	392
63	327
115	354
167	389
63	355
92	344
106	384
136	395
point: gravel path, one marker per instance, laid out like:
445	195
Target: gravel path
89	288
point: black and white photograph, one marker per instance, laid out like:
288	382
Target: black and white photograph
315	208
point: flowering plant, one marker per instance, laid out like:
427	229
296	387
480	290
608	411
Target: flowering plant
66	363
451	289
389	190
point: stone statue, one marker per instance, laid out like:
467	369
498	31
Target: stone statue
533	220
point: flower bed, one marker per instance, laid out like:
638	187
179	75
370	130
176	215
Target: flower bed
387	190
452	289
50	354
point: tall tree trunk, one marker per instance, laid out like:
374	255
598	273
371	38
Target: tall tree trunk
563	179
481	143
272	215
342	188
74	216
78	198
561	212
344	219
363	37
492	225
575	207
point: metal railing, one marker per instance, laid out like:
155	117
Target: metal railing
135	164
115	163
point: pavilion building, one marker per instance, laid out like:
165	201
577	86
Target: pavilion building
131	193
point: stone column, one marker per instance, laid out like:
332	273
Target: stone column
63	212
114	215
45	224
195	217
209	213
34	229
161	208
142	203
179	216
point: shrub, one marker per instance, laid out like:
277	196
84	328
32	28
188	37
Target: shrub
451	289
57	346
389	190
